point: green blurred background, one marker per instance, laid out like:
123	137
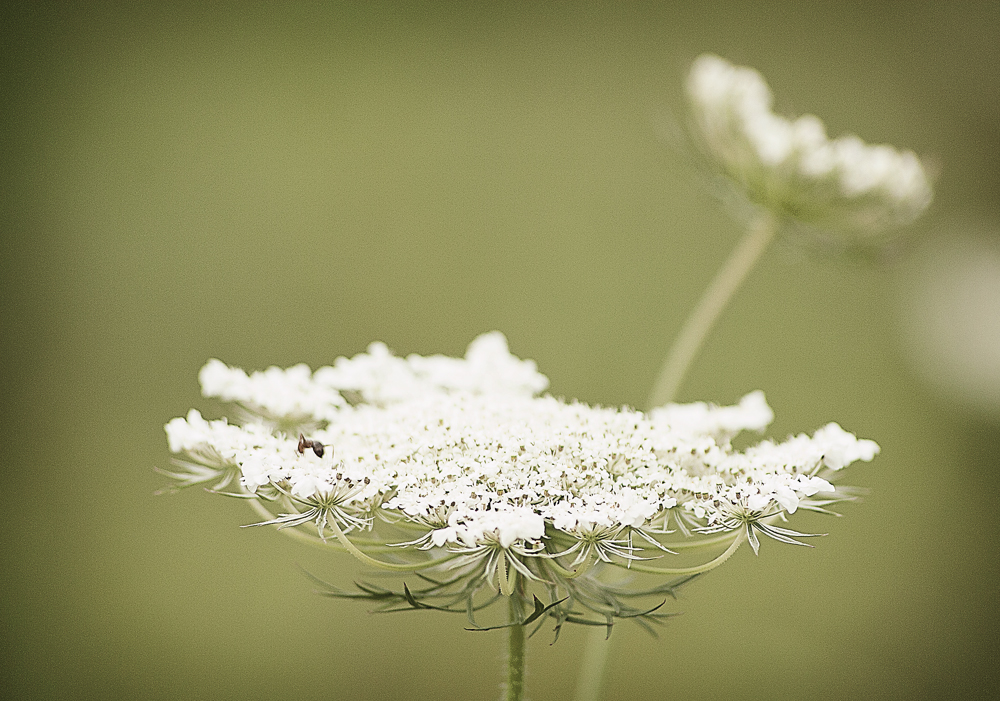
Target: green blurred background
281	183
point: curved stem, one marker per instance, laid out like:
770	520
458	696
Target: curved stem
701	543
343	544
515	654
295	533
353	549
698	569
711	304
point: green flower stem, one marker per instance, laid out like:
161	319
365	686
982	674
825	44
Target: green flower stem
595	656
595	659
515	654
696	328
756	240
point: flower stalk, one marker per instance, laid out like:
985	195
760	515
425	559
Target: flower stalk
595	660
699	323
515	652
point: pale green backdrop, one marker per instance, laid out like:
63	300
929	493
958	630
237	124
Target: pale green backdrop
273	183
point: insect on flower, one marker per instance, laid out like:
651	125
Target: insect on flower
316	446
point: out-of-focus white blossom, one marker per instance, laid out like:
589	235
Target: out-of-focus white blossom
791	167
950	313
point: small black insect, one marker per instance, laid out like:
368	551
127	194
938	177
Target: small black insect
306	443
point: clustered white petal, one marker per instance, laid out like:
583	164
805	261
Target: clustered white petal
468	450
791	166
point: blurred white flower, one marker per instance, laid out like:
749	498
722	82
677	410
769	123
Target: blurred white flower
950	311
791	167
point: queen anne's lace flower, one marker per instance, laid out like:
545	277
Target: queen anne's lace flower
464	465
791	167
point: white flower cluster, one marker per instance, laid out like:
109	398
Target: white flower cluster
469	453
377	377
791	166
